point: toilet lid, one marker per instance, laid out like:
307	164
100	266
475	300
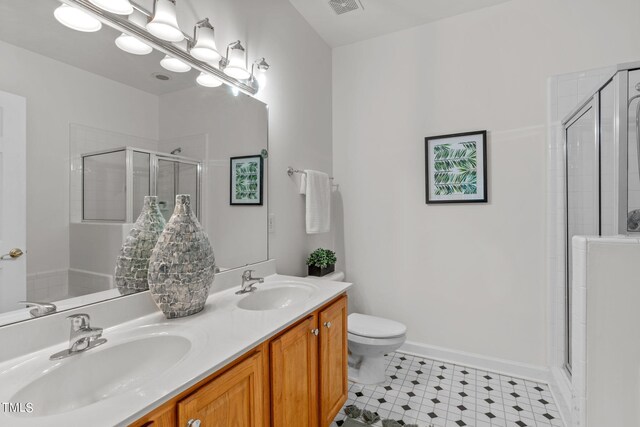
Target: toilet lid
374	327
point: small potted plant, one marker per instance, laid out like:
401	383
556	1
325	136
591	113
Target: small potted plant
321	262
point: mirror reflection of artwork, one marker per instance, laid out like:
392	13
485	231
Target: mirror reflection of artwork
456	168
246	180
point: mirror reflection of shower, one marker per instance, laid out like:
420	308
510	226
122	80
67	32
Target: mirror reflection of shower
107	175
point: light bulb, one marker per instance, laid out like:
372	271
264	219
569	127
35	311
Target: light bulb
236	62
164	23
208	80
204	47
119	7
262	80
174	64
76	19
133	45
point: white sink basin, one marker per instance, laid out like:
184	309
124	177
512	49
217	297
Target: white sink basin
100	373
277	296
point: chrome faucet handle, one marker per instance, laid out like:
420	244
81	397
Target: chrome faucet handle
79	321
82	337
248	274
41	308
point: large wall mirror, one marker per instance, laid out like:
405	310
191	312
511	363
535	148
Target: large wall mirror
103	129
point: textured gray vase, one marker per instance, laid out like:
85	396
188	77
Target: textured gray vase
182	264
132	263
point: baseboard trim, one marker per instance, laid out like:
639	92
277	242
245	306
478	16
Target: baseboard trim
521	370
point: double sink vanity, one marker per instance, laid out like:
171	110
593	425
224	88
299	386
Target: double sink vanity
275	356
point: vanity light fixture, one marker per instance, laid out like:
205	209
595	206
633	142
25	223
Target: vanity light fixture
233	64
119	7
143	31
76	19
208	80
259	72
204	46
174	64
164	23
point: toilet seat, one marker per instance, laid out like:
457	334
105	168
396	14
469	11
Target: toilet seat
378	342
374	327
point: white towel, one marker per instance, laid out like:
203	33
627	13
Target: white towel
317	188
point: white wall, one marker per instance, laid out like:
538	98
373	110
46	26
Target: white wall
464	277
57	96
298	94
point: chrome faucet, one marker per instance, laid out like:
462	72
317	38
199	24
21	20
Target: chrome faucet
248	281
41	308
82	338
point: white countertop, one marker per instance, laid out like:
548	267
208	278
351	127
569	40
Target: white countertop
219	334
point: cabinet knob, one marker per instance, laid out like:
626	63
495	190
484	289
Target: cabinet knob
327	324
193	423
315	331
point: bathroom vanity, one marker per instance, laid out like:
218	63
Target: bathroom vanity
296	378
273	357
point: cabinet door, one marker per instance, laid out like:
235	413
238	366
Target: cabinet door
294	376
161	417
333	360
234	399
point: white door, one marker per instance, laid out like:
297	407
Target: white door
13	201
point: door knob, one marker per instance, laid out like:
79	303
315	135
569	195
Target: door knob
193	423
13	254
315	331
327	324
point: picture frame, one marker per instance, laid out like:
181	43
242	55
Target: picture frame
456	168
246	180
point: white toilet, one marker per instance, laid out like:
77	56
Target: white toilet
370	338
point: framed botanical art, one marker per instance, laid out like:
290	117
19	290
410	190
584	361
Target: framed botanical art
456	168
246	180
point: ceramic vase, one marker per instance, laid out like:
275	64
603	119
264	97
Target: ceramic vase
182	264
132	263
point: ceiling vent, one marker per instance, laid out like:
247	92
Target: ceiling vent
344	6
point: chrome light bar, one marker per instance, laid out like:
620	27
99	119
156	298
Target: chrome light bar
122	24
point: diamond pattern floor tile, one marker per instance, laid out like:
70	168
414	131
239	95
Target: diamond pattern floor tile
430	393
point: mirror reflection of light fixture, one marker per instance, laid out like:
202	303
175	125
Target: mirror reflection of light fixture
233	64
208	80
259	72
204	46
76	19
132	44
164	23
119	7
174	64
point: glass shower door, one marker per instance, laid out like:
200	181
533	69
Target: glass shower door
582	191
177	177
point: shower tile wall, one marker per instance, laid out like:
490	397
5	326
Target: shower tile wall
565	92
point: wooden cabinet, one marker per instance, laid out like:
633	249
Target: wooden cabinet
294	376
297	379
333	360
234	399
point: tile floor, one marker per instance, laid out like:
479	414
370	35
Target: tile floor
428	392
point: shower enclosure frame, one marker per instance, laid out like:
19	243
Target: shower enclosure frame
620	84
154	158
